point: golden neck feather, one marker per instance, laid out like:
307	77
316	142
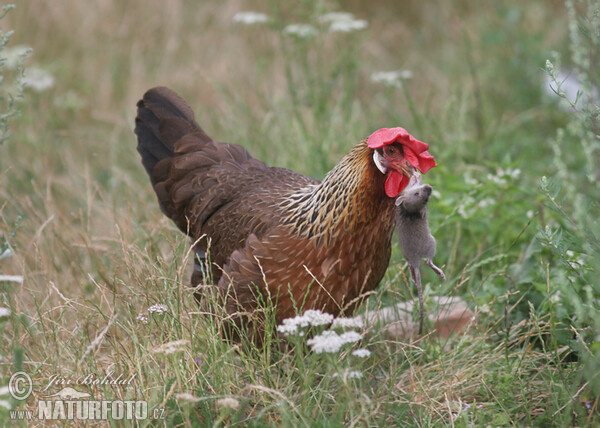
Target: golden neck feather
351	194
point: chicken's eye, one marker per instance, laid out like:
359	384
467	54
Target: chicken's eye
391	151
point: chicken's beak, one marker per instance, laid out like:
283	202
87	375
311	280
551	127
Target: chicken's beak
403	168
407	169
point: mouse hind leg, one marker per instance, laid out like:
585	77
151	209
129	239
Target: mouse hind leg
436	269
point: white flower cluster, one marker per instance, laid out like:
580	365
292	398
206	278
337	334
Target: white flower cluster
4	312
343	22
13	56
343	322
391	78
486	202
330	341
37	79
310	317
576	260
502	175
159	308
348	26
349	374
465	209
361	353
250	18
143	318
300	30
354	374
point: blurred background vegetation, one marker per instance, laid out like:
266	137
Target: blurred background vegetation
471	78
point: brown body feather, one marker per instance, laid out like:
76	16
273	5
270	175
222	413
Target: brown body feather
304	243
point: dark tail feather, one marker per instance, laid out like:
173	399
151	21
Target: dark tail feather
163	117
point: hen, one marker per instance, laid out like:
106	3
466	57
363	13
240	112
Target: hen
270	232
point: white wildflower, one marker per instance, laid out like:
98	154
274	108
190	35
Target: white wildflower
250	18
5	404
310	317
514	173
287	329
37	79
4	390
348	26
186	396
508	172
142	318
498	179
436	194
529	214
328	18
14	56
159	308
354	374
6	254
465	208
391	78
329	341
171	347
555	298
361	353
300	30
343	322
342	22
350	337
316	317
229	402
4	312
486	202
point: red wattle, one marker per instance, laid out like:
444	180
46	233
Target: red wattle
395	183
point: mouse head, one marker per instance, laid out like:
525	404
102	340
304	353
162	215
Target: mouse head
414	198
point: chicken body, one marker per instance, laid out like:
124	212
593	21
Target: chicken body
269	232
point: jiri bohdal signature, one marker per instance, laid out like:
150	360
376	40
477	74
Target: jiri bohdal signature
90	379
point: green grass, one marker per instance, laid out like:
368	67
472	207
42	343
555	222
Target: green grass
77	209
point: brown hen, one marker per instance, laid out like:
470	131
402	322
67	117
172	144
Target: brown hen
271	232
